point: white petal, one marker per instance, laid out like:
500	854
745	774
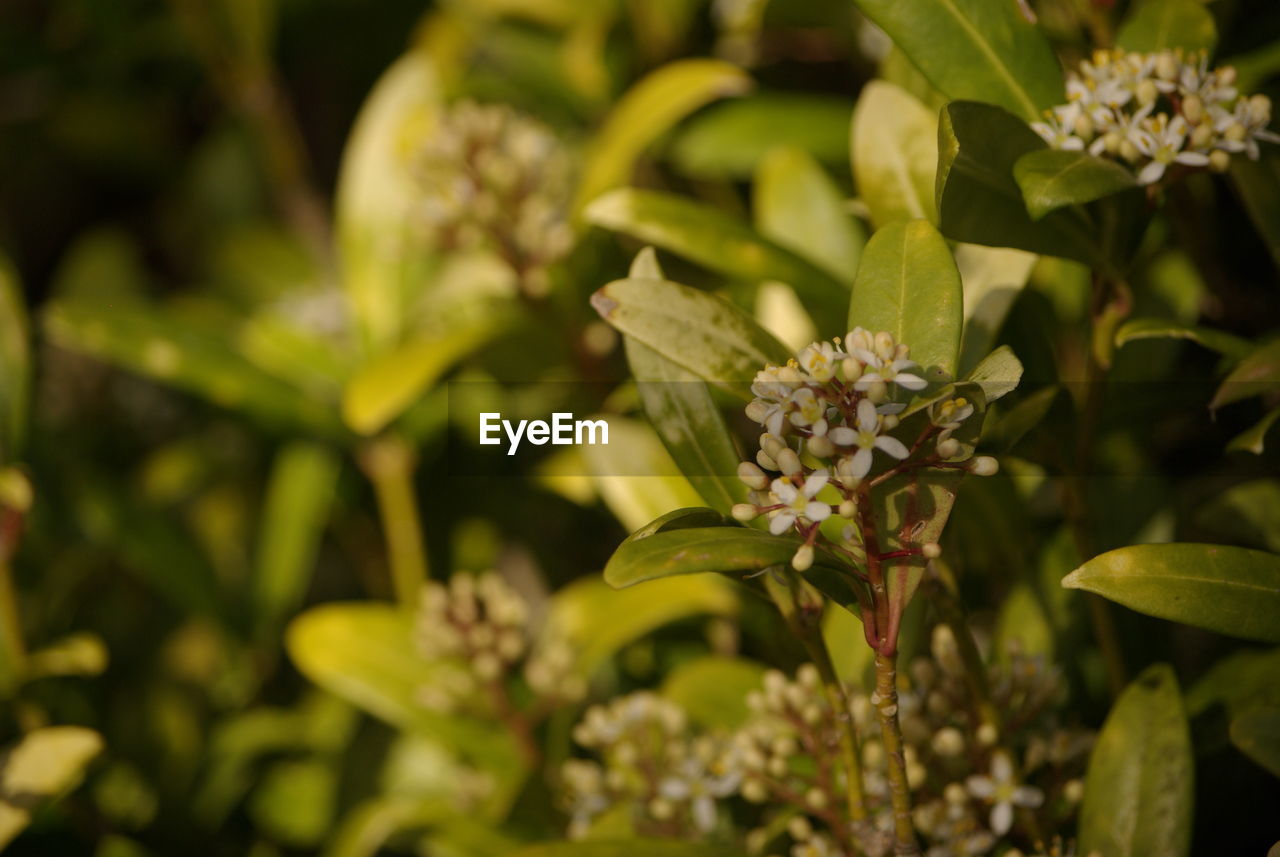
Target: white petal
816	482
1028	796
816	511
861	463
785	490
891	408
866	415
1001	818
704	814
1001	768
1194	159
782	521
910	382
1071	144
892	446
673	789
774	422
819	428
842	436
1151	173
980	786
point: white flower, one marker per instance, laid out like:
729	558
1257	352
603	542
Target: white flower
1162	141
820	360
1058	132
861	343
867	437
798	502
1003	792
810	411
894	373
700	785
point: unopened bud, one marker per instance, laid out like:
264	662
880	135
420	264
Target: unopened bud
816	799
1219	160
931	550
847	509
752	476
1193	109
948	447
820	446
803	558
744	512
788	461
987	734
1167	66
1146	92
984	465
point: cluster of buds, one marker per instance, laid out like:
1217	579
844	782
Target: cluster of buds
476	629
650	762
826	414
1152	110
495	179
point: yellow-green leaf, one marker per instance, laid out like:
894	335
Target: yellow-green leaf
895	154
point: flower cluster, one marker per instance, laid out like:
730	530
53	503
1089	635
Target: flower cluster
836	405
670	779
1153	110
475	629
968	778
495	179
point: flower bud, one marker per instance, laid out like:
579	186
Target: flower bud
931	550
847	509
816	799
987	735
1146	92
799	828
1129	151
1219	160
820	446
788	462
948	741
852	368
948	447
1193	108
744	512
752	476
984	465
1260	107
889	422
1073	791
764	460
755	791
1227	75
1167	66
803	558
772	445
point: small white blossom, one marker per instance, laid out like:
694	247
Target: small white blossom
866	437
798	502
1003	792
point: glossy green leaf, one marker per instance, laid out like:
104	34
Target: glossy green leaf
598	621
386	386
1234	591
1157	25
183	353
993	278
894	154
979	200
1139	793
15	365
912	509
82	653
1051	179
983	50
646	112
846	641
364	652
798	206
634	474
299	495
380	243
729	140
1257	183
1256	733
680	408
713	690
998	374
703	333
1253	439
42	766
1256	374
1220	341
696	550
627	848
710	237
908	285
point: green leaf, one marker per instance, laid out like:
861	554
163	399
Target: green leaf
993	277
299	496
1051	179
894	154
998	374
982	50
1257	183
703	333
797	205
1257	734
979	200
1253	439
183	353
598	621
1023	622
1240	681
15	365
1220	341
387	385
680	408
1255	375
364	652
634	474
714	239
908	285
713	690
1234	591
1139	794
41	766
381	247
729	140
626	848
295	801
1015	423
646	112
1157	25
846	640
1247	513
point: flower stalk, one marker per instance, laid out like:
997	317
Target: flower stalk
886	705
389	463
